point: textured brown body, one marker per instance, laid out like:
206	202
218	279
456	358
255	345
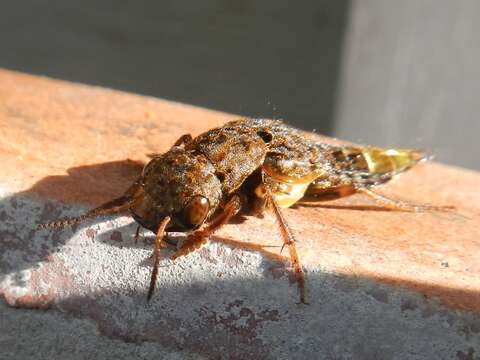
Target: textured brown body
246	167
218	162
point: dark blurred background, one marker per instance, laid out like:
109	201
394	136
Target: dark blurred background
382	72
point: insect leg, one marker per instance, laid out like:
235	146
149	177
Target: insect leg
288	240
137	234
117	206
183	140
200	237
156	255
321	193
402	205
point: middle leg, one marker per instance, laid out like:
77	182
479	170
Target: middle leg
289	240
263	191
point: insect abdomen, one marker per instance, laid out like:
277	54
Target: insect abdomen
369	166
382	161
354	168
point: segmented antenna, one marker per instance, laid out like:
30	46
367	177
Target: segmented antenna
61	223
113	207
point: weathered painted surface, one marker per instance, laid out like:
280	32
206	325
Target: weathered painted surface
380	284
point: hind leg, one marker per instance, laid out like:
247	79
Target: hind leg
323	193
315	194
400	205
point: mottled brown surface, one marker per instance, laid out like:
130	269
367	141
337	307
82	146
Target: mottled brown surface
73	143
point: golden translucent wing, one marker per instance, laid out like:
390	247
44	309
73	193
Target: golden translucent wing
287	194
288	189
393	161
348	169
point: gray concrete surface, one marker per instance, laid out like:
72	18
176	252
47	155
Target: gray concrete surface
218	303
32	334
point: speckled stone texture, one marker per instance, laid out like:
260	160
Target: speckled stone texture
381	284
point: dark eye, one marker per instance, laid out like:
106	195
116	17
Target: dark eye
196	211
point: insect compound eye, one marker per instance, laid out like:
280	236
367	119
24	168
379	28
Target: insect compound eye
196	211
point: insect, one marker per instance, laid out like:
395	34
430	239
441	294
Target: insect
248	167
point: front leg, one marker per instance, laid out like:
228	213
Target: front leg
156	255
199	237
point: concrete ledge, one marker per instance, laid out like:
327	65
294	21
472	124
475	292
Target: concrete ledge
380	284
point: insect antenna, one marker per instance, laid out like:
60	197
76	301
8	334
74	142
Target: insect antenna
112	207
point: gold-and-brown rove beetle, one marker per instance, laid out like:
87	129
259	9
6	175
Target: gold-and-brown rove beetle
247	167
